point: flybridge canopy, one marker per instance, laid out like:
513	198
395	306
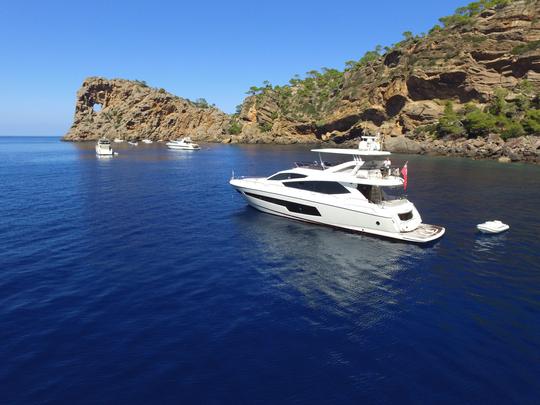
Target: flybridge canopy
355	152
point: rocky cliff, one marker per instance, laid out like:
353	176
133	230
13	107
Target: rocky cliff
132	110
485	50
471	87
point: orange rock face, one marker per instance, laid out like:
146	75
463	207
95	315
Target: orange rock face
132	110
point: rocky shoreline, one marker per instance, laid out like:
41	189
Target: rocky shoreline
523	149
470	88
131	110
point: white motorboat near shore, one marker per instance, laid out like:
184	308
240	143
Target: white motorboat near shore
183	144
357	195
133	143
495	226
103	148
147	141
118	140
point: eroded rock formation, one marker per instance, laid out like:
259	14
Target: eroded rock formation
396	94
132	110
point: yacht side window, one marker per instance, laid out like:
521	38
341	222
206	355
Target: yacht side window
323	187
372	193
287	176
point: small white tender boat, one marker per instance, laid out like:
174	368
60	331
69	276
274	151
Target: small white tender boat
147	141
492	227
103	148
133	143
118	140
183	144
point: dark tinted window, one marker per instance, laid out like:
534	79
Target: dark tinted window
406	216
287	176
291	206
324	187
372	193
364	189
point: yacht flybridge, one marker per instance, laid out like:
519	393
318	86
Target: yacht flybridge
361	194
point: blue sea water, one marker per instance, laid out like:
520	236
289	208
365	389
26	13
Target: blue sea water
146	279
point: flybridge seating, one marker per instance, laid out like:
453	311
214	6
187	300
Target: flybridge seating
367	165
373	167
352	152
368	146
316	165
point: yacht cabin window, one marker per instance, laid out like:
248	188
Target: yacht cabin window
323	187
376	194
287	176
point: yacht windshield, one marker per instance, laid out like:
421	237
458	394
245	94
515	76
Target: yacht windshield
392	193
376	194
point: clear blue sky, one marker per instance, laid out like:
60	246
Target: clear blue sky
209	49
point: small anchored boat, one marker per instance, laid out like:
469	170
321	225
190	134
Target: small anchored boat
148	141
183	144
103	148
492	227
133	143
118	140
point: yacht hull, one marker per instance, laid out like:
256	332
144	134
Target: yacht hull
104	152
181	147
334	216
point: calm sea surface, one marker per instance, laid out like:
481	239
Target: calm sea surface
146	279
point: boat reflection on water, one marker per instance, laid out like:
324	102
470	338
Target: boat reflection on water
327	266
489	242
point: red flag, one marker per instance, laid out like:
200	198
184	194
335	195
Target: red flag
404	174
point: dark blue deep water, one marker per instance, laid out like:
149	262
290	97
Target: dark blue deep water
146	279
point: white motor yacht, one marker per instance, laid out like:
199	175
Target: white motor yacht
147	141
183	144
358	195
103	148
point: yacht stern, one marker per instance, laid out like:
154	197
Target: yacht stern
423	233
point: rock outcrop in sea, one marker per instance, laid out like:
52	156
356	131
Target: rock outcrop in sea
481	56
132	110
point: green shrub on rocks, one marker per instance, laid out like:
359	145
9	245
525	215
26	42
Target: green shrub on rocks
508	114
512	130
265	126
316	96
463	15
531	122
201	103
530	46
235	127
449	123
479	123
141	83
498	105
304	99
